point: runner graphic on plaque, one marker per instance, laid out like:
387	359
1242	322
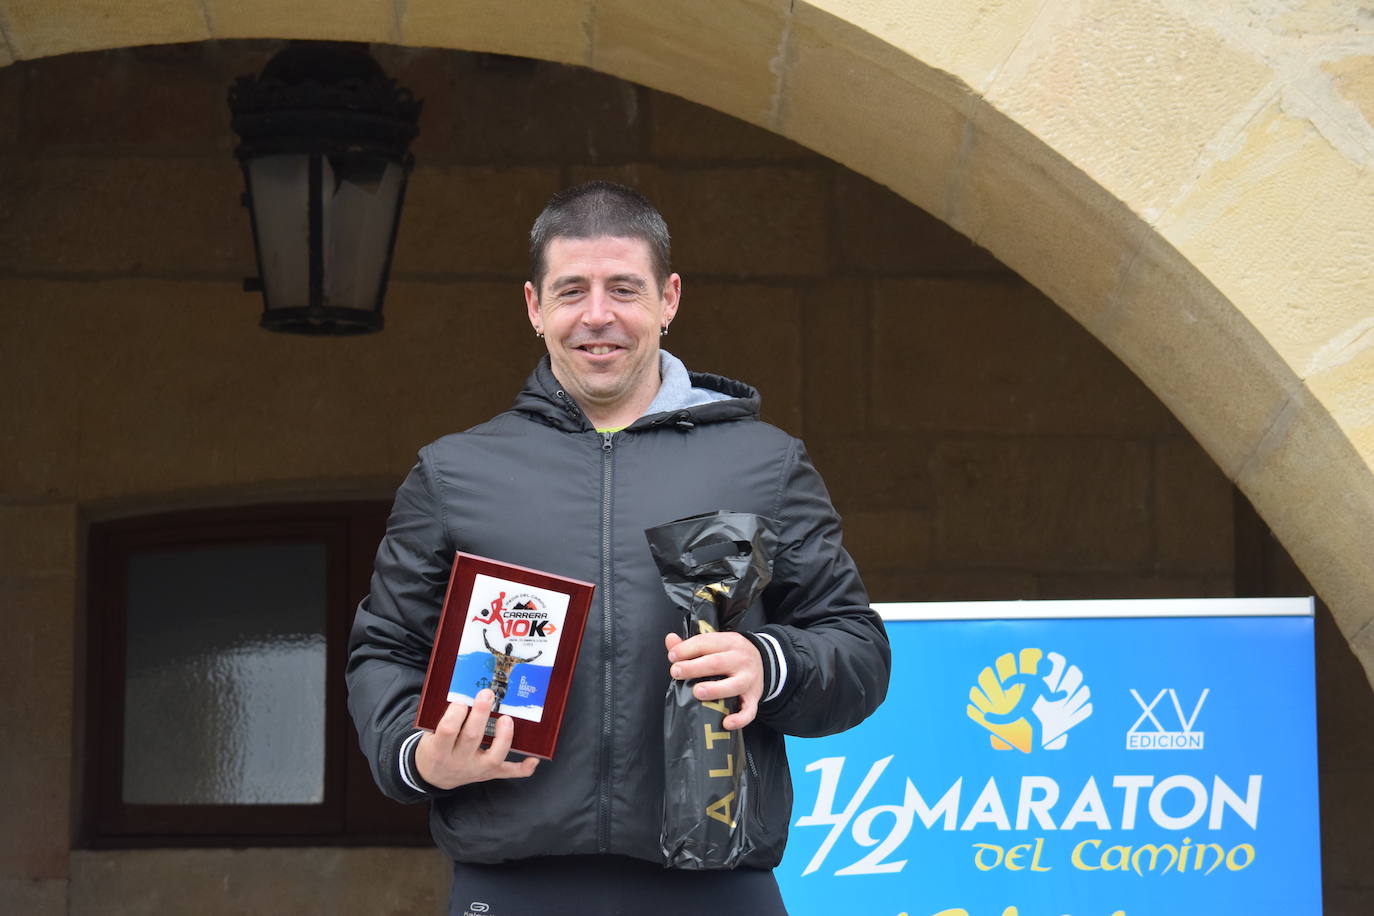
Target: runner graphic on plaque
503	663
511	648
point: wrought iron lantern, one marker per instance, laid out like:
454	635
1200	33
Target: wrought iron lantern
324	140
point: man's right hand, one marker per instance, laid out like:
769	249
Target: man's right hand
452	754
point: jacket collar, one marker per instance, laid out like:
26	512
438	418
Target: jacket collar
544	398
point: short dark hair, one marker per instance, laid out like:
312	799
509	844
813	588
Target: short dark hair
596	209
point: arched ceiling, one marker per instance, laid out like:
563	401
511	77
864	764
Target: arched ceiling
1193	185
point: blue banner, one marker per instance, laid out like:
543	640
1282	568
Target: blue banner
1099	766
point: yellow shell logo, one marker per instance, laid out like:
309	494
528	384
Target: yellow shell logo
1025	707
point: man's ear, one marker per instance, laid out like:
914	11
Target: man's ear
532	307
672	295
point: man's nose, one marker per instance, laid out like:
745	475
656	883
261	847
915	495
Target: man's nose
598	312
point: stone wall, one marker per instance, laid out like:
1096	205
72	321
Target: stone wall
978	441
931	383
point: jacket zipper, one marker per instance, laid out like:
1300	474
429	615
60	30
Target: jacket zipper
607	649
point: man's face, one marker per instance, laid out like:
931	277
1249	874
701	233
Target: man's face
601	311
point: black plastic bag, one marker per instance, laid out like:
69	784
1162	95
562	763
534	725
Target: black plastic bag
713	567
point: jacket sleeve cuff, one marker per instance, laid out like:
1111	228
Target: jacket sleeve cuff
776	664
410	773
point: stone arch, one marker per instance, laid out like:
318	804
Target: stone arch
1199	181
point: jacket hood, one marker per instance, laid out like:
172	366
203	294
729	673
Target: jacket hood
544	398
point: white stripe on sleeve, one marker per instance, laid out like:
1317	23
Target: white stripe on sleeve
406	776
780	662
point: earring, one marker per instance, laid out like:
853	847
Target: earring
663	331
538	333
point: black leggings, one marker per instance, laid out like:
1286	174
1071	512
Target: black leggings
609	886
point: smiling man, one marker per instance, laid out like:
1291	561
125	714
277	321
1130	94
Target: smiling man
610	436
601	308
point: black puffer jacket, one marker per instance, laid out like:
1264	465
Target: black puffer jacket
537	486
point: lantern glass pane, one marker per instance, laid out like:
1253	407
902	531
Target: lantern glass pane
360	196
280	188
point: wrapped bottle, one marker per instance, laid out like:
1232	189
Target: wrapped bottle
714	566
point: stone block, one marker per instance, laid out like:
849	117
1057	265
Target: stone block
1072	505
40	426
306	409
34	823
873	472
166	344
206	399
683	131
1194	508
1042	217
511	110
168	100
557	31
38	540
1320	18
330	20
1347	797
1133	585
990	354
1353	78
877	231
429	73
457	354
13	81
1130	91
498	110
241	57
42	28
849	95
836	360
747	332
1312	488
452	356
1362	644
1345	705
531	111
724	55
1281	227
901	585
471	220
1272	570
178	352
135	215
1345	388
897	539
969	40
230	882
37	676
35	897
1200	356
1347	899
745	221
36	720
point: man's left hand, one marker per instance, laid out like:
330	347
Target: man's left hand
726	655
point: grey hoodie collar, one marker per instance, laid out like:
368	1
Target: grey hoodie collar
714	398
675	389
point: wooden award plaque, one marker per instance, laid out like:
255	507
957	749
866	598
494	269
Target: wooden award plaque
514	631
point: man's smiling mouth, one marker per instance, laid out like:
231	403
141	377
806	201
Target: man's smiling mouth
598	349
